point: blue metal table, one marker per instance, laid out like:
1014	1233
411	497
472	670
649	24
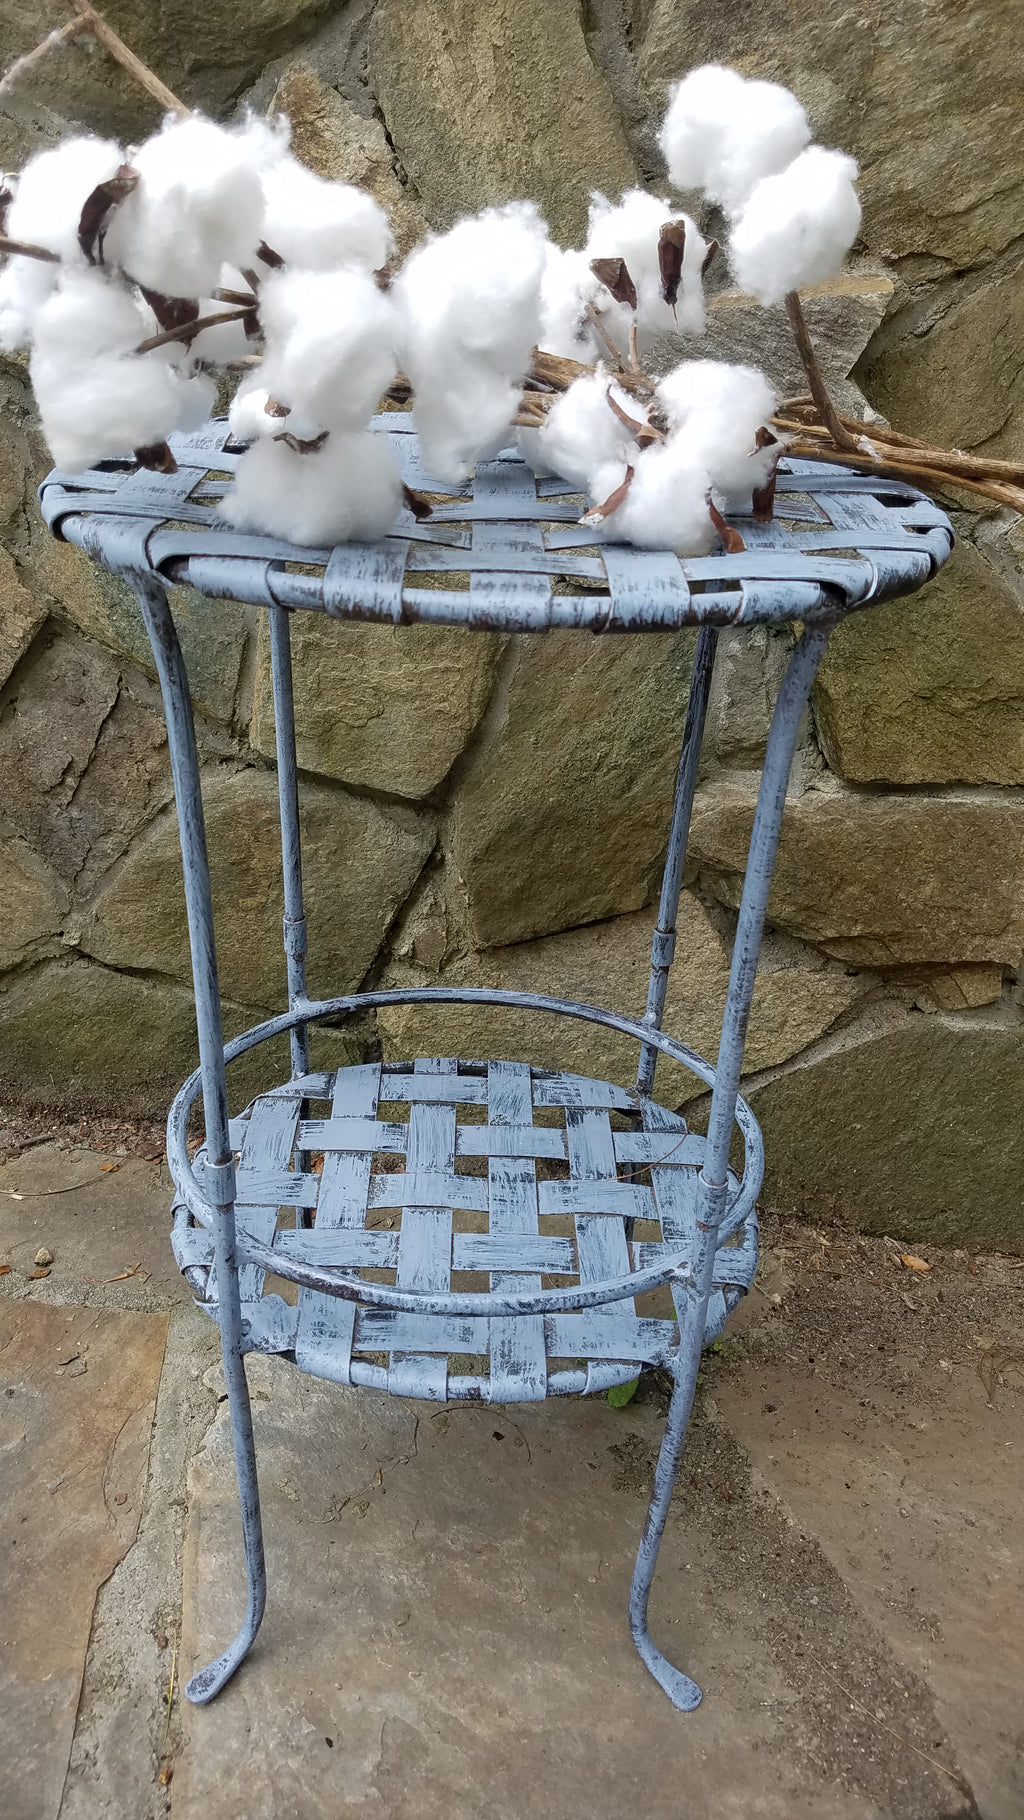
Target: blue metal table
555	1175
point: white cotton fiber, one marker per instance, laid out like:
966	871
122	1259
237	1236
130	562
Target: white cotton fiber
320	225
582	431
249	418
630	230
331	344
47	206
347	490
716	409
666	507
25	284
469	302
96	397
198	204
722	133
797	227
568	285
52	190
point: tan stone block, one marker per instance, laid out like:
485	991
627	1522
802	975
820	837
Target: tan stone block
606	964
929	689
21	615
338	143
907	1129
359	863
965	988
879	880
563	815
486	103
387	707
32	900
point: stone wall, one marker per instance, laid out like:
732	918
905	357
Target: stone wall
494	810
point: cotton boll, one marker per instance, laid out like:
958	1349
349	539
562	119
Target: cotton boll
631	231
582	431
198	203
96	397
248	417
331	344
45	211
666	506
347	490
25	284
796	228
463	418
568	285
717	409
722	134
469	303
53	189
319	225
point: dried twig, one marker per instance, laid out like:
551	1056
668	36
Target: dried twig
52	42
89	18
815	377
27	251
189	330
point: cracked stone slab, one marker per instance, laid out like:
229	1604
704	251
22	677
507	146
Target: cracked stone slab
446	1631
76	1411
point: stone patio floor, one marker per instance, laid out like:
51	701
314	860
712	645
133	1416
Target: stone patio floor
446	1628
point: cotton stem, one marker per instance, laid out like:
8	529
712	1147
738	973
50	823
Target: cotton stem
815	377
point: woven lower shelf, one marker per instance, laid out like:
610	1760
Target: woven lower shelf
477	1176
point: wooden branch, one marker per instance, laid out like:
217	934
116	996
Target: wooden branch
27	251
89	18
815	377
189	330
52	42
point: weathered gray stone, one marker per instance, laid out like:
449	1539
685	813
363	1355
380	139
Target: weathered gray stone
607	964
205	55
345	146
488	103
926	96
930	689
76	1034
563	815
82	762
213	633
842	316
879	880
964	988
15	468
946	366
21	615
907	1130
388	707
32	900
358	865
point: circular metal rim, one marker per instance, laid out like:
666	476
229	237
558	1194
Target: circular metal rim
381	1295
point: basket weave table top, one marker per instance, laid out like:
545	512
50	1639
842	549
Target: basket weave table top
508	553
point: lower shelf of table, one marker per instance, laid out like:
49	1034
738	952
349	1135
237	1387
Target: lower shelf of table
486	1177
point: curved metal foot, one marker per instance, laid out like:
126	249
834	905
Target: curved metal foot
683	1693
206	1683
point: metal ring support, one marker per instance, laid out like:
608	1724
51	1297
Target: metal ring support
381	1295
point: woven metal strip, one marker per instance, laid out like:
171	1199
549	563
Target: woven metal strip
840	539
438	1214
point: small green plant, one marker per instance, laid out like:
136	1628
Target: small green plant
621	1394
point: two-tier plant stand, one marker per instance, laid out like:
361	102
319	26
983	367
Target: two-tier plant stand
520	1174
